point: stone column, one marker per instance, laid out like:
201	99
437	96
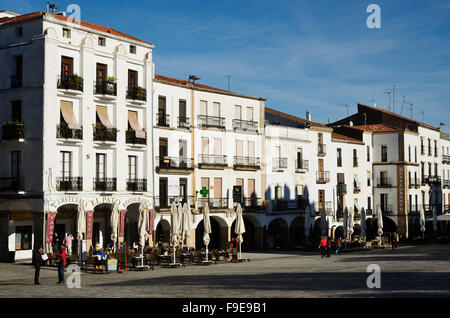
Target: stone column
39	229
4	220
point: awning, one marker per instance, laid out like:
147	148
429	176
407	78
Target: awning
102	113
68	115
134	123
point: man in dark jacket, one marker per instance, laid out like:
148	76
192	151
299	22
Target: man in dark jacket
37	263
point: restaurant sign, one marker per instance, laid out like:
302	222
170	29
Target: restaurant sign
50	226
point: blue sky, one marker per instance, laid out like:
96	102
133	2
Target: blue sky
316	55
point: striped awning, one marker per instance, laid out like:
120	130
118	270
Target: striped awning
102	113
134	123
68	115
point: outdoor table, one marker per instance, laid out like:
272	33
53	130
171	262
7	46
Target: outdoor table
185	256
163	259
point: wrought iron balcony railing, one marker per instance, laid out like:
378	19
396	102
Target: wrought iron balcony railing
341	188
165	202
321	150
162	119
12	130
137	185
211	121
247	125
213	203
73	82
279	163
302	165
105	88
384	182
137	93
63	131
246	162
166	162
322	176
69	184
101	133
130	138
105	184
184	122
16	82
212	160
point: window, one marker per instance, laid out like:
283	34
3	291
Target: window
66	33
100	166
339	157
66	66
369	203
19	32
23	237
132	167
415	154
355	158
133	49
16	78
435	148
101	41
368	178
435	169
384	202
368	153
16	110
278	193
384	153
16	160
132	80
66	164
409	153
429	147
250	113
422	147
300	159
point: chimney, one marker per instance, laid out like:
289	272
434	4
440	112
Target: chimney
308	115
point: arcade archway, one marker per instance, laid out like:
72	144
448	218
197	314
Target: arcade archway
278	234
252	235
297	233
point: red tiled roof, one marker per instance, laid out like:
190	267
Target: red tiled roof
399	116
343	137
373	128
292	117
85	24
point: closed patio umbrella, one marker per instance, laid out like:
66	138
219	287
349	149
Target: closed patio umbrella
351	223
239	227
380	223
435	220
114	220
186	224
363	224
345	223
142	228
422	221
207	227
174	228
81	225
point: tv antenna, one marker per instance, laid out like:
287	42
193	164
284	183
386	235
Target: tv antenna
423	115
346	106
193	78
411	107
228	78
52	6
388	91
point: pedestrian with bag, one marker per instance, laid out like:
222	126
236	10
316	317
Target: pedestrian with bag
37	263
61	256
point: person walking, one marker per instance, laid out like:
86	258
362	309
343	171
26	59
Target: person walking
328	246
37	263
397	239
338	246
61	263
68	243
323	246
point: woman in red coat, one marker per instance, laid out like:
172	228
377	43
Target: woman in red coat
61	263
323	246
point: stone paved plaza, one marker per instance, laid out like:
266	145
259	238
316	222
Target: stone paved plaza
409	271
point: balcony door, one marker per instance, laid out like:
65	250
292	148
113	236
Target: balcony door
66	165
161	111
383	202
132	168
100	164
251	191
321	174
321	199
216	109
66	67
183	190
204	184
101	73
250	113
182	152
163	193
239	152
163	151
218	150
218	191
16	162
237	112
132	80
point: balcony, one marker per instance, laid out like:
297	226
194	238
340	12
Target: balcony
210	161
252	204
12	130
211	122
446	184
105	184
176	165
341	189
11	184
69	184
105	88
184	122
445	159
137	93
72	82
213	203
321	150
356	187
137	185
244	163
328	206
446	208
355	162
245	125
301	165
387	209
384	182
162	119
279	163
413	209
284	205
63	131
322	177
131	138
433	180
414	184
101	133
165	202
16	82
424	179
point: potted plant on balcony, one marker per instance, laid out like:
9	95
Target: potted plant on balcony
13	129
75	82
140	93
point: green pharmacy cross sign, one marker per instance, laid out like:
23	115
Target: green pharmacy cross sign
204	192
